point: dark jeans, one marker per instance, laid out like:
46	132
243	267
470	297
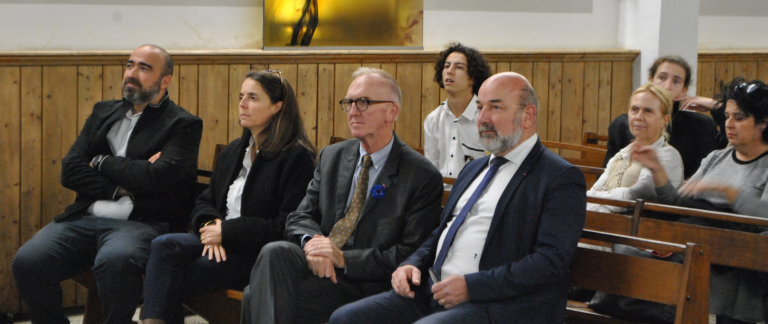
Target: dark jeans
177	271
391	308
116	251
284	290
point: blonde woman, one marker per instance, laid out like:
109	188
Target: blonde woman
648	116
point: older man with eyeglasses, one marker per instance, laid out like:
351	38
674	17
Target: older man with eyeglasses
372	202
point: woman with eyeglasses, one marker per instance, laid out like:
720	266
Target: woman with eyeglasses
258	180
733	179
649	113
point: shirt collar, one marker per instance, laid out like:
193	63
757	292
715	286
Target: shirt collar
165	97
519	154
379	157
470	112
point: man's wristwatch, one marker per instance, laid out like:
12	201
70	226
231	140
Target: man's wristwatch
96	162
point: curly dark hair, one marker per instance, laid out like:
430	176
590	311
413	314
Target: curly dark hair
751	98
477	66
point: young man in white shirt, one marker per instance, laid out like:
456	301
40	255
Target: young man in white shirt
450	131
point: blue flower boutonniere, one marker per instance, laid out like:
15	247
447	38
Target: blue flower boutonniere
378	191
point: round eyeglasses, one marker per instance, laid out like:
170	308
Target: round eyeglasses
362	103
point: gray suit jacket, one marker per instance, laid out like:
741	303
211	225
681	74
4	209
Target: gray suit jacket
389	229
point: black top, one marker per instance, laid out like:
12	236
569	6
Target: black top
273	188
694	135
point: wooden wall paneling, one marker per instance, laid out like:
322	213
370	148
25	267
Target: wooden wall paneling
289	72
723	73
375	65
213	110
503	67
59	131
31	150
492	65
188	75
621	88
341	84
112	78
762	71
326	106
706	80
259	67
746	70
555	101
572	112
237	74
541	86
173	87
430	95
306	94
391	68
524	68
591	98
89	91
408	125
10	138
604	98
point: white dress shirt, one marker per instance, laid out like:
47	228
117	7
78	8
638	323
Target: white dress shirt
235	193
450	142
464	254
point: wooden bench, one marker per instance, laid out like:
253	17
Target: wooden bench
595	140
585	155
685	286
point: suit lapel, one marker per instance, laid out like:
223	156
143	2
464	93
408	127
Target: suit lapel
346	174
385	176
506	197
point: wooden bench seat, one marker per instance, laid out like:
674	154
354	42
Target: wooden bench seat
684	285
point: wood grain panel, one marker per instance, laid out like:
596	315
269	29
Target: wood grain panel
604	98
723	74
491	65
503	67
31	150
188	75
621	88
391	68
112	78
746	70
59	131
289	72
408	125
10	137
374	65
341	84
541	86
572	106
762	71
706	80
524	68
173	87
591	98
430	95
326	106
306	94
237	74
213	109
555	101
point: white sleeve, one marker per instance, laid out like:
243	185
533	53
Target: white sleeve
431	148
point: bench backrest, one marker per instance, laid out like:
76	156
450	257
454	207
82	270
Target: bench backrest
684	285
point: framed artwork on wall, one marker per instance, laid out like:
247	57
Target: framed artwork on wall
294	24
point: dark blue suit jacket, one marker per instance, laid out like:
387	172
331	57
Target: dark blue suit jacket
523	275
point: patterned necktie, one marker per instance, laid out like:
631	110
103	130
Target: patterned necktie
346	225
440	259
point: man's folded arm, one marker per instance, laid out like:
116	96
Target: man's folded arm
178	158
562	219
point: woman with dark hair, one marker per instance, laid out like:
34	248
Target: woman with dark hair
258	180
694	135
732	179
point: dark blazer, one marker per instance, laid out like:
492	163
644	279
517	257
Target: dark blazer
694	135
161	190
388	230
274	188
523	274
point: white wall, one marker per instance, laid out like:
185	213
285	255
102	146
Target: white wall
236	24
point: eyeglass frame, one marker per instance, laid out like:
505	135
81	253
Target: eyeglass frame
367	102
279	75
750	87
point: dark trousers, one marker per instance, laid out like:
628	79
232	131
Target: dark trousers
116	251
284	290
391	308
177	271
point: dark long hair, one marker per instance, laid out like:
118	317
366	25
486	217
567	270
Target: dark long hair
285	128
